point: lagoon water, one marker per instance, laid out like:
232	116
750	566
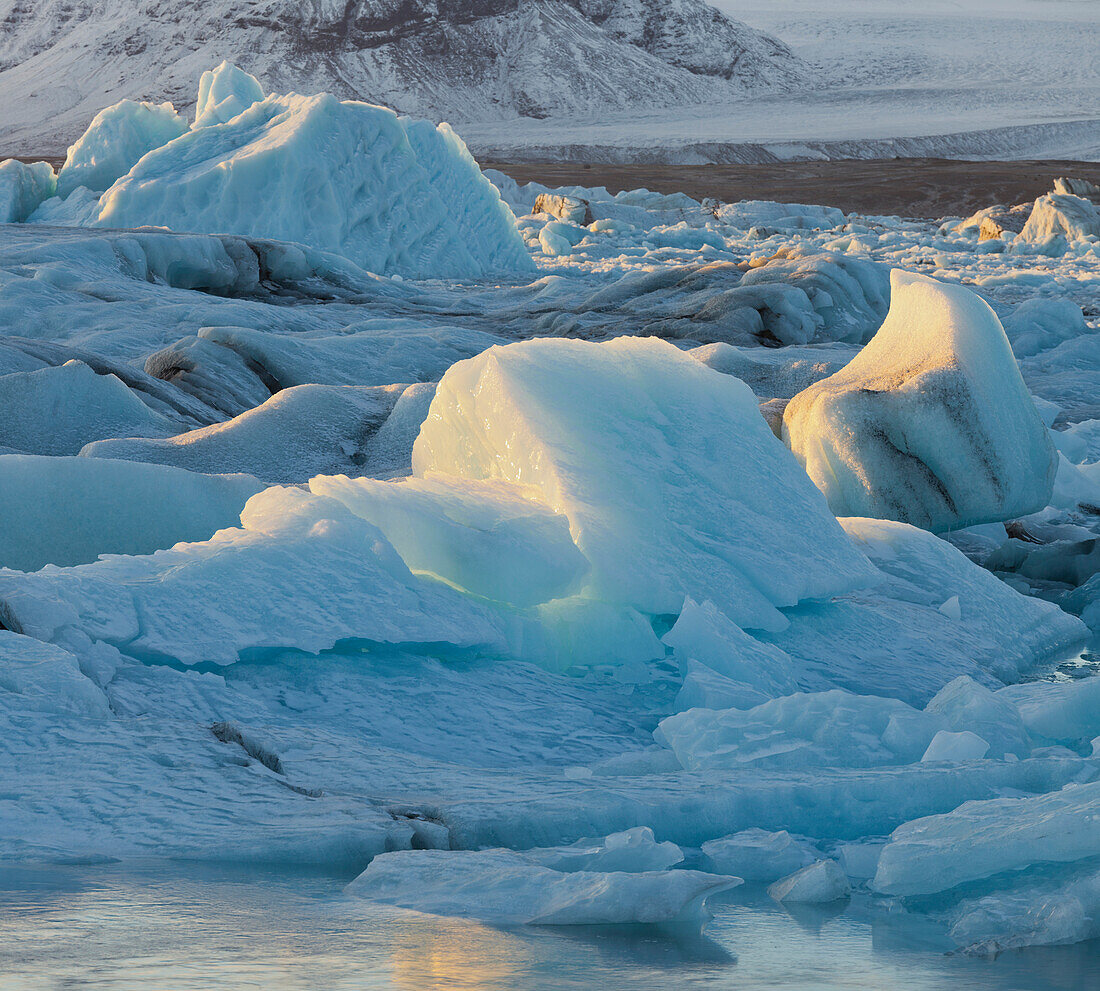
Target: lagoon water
189	927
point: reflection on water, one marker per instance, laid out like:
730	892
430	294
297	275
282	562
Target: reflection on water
186	927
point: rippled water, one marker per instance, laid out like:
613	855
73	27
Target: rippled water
189	927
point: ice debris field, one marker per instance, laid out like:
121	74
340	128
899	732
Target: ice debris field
544	556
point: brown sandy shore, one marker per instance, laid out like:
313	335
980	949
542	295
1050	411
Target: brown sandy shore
905	187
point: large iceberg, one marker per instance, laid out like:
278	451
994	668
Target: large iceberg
395	196
930	423
672	483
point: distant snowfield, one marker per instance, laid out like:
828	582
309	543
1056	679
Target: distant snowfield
978	79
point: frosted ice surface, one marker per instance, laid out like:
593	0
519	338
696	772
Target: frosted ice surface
931	423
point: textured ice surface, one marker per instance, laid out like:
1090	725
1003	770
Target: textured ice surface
631	441
160	606
502	887
931	423
96	506
856	640
633	850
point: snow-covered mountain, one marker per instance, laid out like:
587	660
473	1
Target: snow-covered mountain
63	60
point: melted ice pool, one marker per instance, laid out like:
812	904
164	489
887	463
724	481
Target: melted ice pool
201	927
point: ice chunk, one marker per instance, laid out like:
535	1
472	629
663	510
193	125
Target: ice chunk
757	855
57	410
1040	324
860	860
296	434
956	747
1067	712
242	591
850	296
1061	214
801	731
107	507
776	372
817	884
225	92
23	187
980	839
1039	912
501	887
343	177
485	537
753	213
115	141
396	351
45	678
931	423
672	483
856	640
633	851
968	706
751	671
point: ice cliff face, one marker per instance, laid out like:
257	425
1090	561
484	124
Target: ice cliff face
63	60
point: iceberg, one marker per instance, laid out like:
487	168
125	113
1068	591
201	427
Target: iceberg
672	483
819	883
344	177
504	888
931	423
